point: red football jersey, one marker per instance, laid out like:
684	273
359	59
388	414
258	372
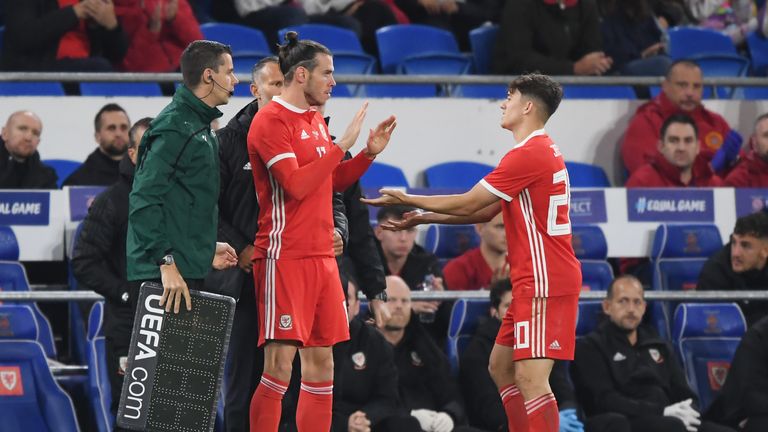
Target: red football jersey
532	181
281	140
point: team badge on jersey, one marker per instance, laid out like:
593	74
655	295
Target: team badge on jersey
415	359
656	355
286	323
358	359
325	136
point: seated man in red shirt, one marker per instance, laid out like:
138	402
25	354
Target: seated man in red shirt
478	268
678	163
752	170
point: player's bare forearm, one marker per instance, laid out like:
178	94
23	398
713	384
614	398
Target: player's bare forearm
465	204
481	216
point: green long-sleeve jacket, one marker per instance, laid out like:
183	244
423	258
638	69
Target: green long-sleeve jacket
173	204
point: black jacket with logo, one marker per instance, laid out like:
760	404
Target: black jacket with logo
610	375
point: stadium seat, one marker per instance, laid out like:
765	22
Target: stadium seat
598	92
758	52
242	39
380	175
36	402
591	248
63	168
590	316
678	253
146	89
450	241
31	88
13	277
9	244
482	41
463	324
722	65
685	42
705	337
18	323
455	174
99	390
582	174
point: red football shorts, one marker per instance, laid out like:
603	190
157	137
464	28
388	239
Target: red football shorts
300	300
540	327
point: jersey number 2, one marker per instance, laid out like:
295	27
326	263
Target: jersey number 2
558	204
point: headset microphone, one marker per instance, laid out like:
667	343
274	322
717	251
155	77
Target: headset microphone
231	93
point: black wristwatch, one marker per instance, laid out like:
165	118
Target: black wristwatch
380	296
166	260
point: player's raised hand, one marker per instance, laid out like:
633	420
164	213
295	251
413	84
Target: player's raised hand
225	256
388	197
410	219
353	130
379	138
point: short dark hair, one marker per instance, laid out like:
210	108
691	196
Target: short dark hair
295	53
199	56
540	88
393	212
755	224
141	123
498	289
689	63
760	118
110	107
629	277
261	64
681	119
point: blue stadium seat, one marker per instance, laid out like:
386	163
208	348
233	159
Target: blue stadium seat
242	39
685	42
678	253
590	316
147	89
464	319
758	52
9	244
591	248
450	241
13	277
482	41
455	174
598	92
39	404
705	337
31	88
99	390
582	174
18	323
722	65
63	168
380	175
480	91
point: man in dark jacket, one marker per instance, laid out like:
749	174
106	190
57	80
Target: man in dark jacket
20	166
98	262
101	168
741	264
173	216
62	35
627	369
743	400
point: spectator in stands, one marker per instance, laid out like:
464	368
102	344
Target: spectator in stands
733	18
63	35
741	264
681	93
632	38
678	162
752	170
101	168
269	16
672	13
743	401
427	389
98	262
554	37
20	165
483	403
479	267
627	369
158	32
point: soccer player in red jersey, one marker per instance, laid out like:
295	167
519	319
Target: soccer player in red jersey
530	187
295	168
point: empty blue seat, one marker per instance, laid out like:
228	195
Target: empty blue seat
450	241
582	174
464	319
590	316
9	244
482	41
242	39
146	89
758	52
380	175
37	402
63	168
598	92
686	42
31	88
705	337
480	91
591	248
99	390
19	323
456	174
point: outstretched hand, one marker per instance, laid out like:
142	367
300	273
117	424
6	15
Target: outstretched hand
409	220
388	197
379	138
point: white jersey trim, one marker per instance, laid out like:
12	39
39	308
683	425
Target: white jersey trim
289	107
280	157
495	191
535	133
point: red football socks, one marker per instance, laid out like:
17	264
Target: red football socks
543	415
266	404
313	413
514	406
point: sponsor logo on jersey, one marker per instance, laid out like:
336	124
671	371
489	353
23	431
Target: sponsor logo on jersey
619	357
555	345
247	166
304	134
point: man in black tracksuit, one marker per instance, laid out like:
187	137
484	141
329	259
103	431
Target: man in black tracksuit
744	396
627	369
98	262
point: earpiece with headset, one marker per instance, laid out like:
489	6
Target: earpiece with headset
230	92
